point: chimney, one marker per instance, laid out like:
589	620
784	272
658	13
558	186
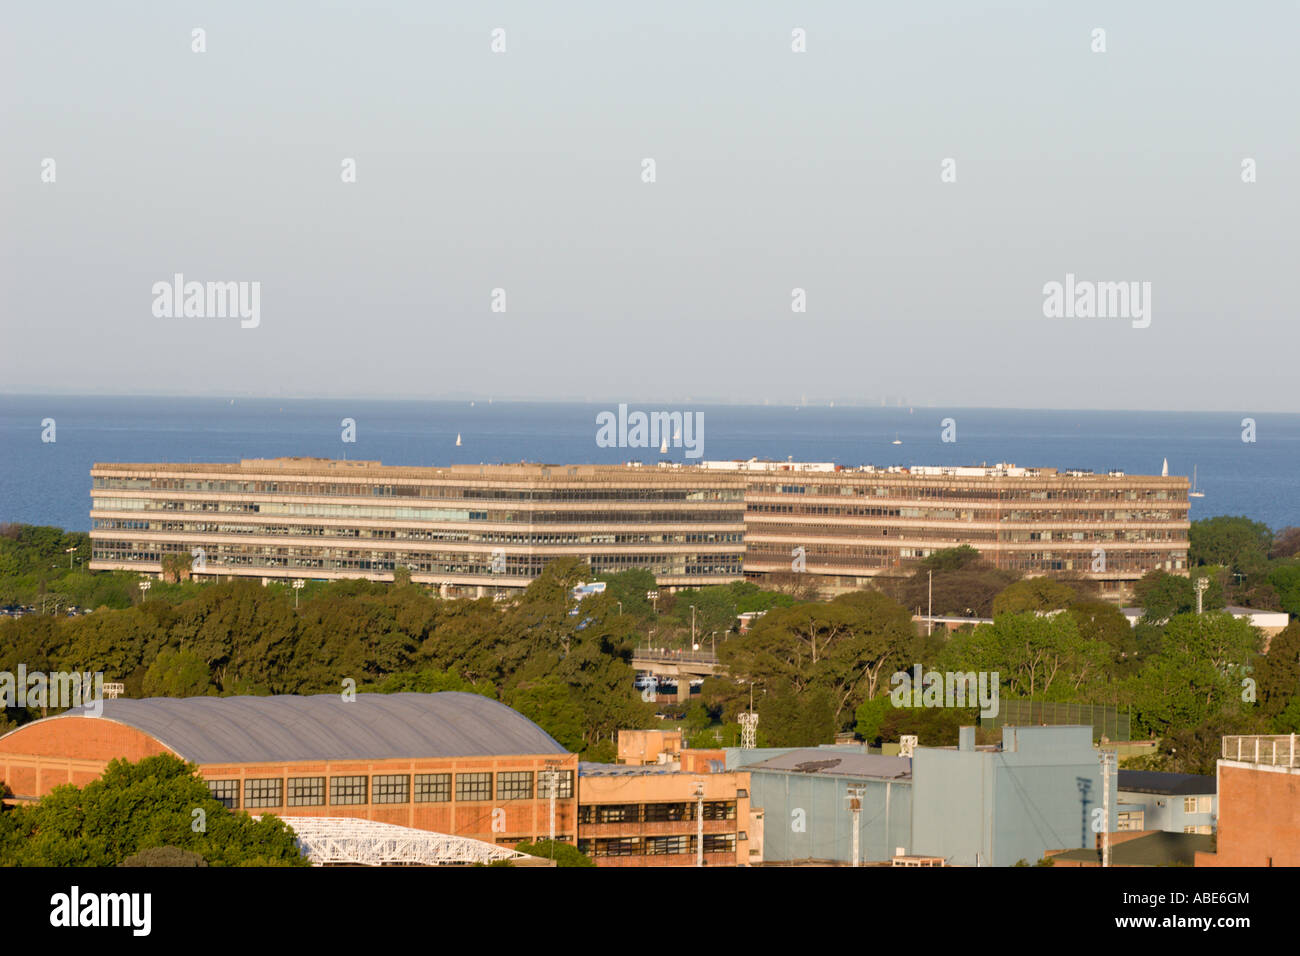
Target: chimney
966	738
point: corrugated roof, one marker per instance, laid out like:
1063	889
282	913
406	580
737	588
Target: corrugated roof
325	727
838	764
589	769
1166	784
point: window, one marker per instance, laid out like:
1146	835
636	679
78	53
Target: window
392	788
665	812
473	786
226	792
667	845
1203	829
432	787
306	791
719	811
1130	820
1196	804
515	785
563	785
268	792
348	790
719	843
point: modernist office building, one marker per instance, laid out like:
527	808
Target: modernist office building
853	524
475	526
493	526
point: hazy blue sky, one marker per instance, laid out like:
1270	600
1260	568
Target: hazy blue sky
775	170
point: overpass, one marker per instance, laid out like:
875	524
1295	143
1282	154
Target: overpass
681	667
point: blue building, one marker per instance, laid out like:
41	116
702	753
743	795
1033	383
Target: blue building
1176	802
806	796
994	806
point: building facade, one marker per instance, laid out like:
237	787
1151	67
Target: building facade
849	525
403	759
1174	802
994	806
1259	802
661	816
464	527
496	526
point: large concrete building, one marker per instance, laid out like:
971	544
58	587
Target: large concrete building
453	763
475	527
849	525
486	527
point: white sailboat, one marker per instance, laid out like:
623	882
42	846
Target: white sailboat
457	439
663	446
1194	493
897	440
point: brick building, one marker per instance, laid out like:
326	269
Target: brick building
1259	802
453	763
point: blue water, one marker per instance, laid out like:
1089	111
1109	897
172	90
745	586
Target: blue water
49	483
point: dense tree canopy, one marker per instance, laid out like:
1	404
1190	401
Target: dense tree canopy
157	802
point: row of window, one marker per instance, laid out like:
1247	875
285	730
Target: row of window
674	845
333	489
654	812
350	790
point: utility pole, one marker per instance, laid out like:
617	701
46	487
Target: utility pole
1201	585
552	787
692	625
854	796
1105	807
699	824
930	610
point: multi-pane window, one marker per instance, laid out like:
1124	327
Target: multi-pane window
614	813
264	792
306	791
432	787
348	790
719	843
225	791
473	786
719	811
664	812
1196	804
515	785
563	785
666	845
392	788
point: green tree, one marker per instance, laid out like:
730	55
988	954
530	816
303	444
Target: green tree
1236	543
177	674
1035	594
564	854
141	806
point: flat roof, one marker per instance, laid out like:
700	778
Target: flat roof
838	764
1167	784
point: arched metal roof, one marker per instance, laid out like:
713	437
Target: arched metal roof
326	727
346	841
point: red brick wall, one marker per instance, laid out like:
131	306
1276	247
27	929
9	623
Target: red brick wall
1259	819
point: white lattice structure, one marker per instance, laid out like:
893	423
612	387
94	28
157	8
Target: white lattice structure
345	841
